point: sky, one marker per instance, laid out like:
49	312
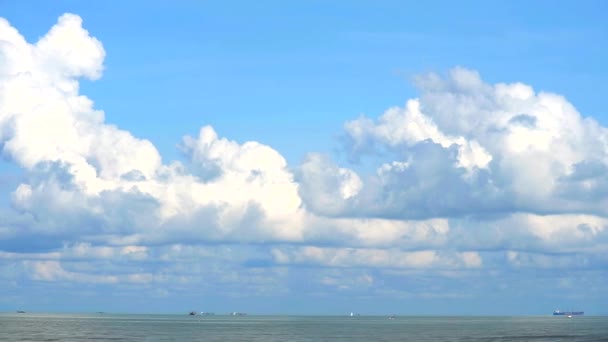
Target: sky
313	157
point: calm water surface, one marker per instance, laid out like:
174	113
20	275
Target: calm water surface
107	327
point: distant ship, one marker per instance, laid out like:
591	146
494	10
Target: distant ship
568	313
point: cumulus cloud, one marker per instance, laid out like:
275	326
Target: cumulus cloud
91	181
325	187
85	172
251	172
465	146
468	175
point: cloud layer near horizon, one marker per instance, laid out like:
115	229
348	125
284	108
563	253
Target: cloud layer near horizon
468	176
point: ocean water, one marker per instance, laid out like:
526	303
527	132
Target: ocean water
110	327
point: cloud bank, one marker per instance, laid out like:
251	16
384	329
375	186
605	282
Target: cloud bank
468	176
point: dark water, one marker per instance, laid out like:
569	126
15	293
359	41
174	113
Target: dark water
106	327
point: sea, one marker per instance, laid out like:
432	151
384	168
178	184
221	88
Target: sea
122	327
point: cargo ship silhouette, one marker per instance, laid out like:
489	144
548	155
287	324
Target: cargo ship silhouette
568	313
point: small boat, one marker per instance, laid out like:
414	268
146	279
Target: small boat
192	313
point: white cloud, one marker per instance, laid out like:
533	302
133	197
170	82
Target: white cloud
53	271
84	251
567	233
472	168
69	50
409	126
87	167
369	232
324	186
251	172
375	258
465	147
543	261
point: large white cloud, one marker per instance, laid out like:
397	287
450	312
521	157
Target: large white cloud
100	173
476	175
89	180
466	145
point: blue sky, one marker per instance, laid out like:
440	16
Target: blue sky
310	157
